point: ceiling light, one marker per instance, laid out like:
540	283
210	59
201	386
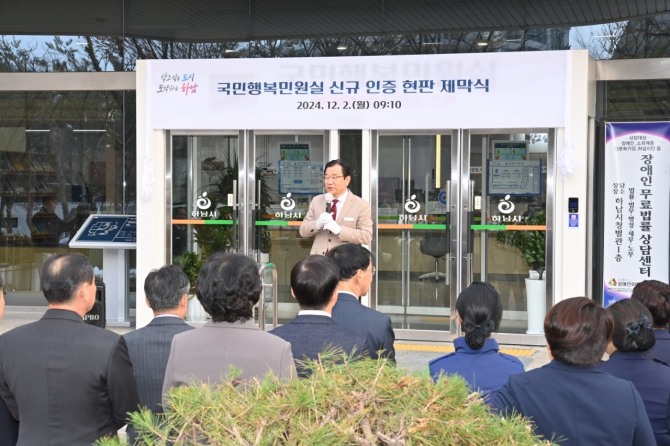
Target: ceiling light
228	50
482	44
341	48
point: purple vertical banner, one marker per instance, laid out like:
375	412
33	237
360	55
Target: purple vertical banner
636	232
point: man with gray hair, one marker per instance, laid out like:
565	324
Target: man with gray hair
70	382
166	293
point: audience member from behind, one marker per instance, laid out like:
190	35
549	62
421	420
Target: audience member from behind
9	427
571	399
477	357
166	293
655	295
70	382
313	283
631	359
228	287
357	268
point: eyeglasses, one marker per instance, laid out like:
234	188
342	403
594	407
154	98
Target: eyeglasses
333	178
372	270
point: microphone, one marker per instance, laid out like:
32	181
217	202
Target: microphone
329	200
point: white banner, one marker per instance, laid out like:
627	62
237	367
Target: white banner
490	90
637	207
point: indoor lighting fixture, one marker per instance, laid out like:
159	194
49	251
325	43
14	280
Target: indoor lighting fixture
341	48
228	50
482	44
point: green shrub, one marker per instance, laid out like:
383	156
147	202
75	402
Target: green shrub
355	403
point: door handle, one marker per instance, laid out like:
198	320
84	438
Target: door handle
232	198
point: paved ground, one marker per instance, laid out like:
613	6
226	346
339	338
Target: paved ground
413	356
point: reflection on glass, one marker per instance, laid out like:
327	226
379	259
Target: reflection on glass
63	156
508	208
412	284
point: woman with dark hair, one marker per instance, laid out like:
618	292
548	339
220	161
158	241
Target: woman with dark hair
655	295
228	287
570	399
631	359
9	427
477	358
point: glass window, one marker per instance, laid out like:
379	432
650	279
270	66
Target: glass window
63	156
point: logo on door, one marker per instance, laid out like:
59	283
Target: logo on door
506	207
412	206
287	204
202	208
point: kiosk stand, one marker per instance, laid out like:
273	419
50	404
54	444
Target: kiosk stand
114	234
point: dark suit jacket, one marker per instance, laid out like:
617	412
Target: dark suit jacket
9	427
375	326
149	349
582	404
662	348
354	218
652	379
68	383
310	335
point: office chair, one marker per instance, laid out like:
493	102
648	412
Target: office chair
436	246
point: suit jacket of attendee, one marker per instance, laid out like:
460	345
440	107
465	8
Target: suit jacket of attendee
652	379
207	354
69	383
375	326
354	217
485	370
584	405
149	349
310	335
9	427
662	348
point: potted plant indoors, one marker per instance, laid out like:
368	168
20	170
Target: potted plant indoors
191	262
531	245
222	175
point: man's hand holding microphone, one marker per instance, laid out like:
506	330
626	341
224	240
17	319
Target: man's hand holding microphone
325	220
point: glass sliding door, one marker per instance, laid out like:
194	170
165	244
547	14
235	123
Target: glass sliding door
509	177
205	186
411	191
288	174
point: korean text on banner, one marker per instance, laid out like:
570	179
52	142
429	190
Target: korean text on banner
637	209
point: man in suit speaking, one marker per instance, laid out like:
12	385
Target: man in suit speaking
68	383
338	216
